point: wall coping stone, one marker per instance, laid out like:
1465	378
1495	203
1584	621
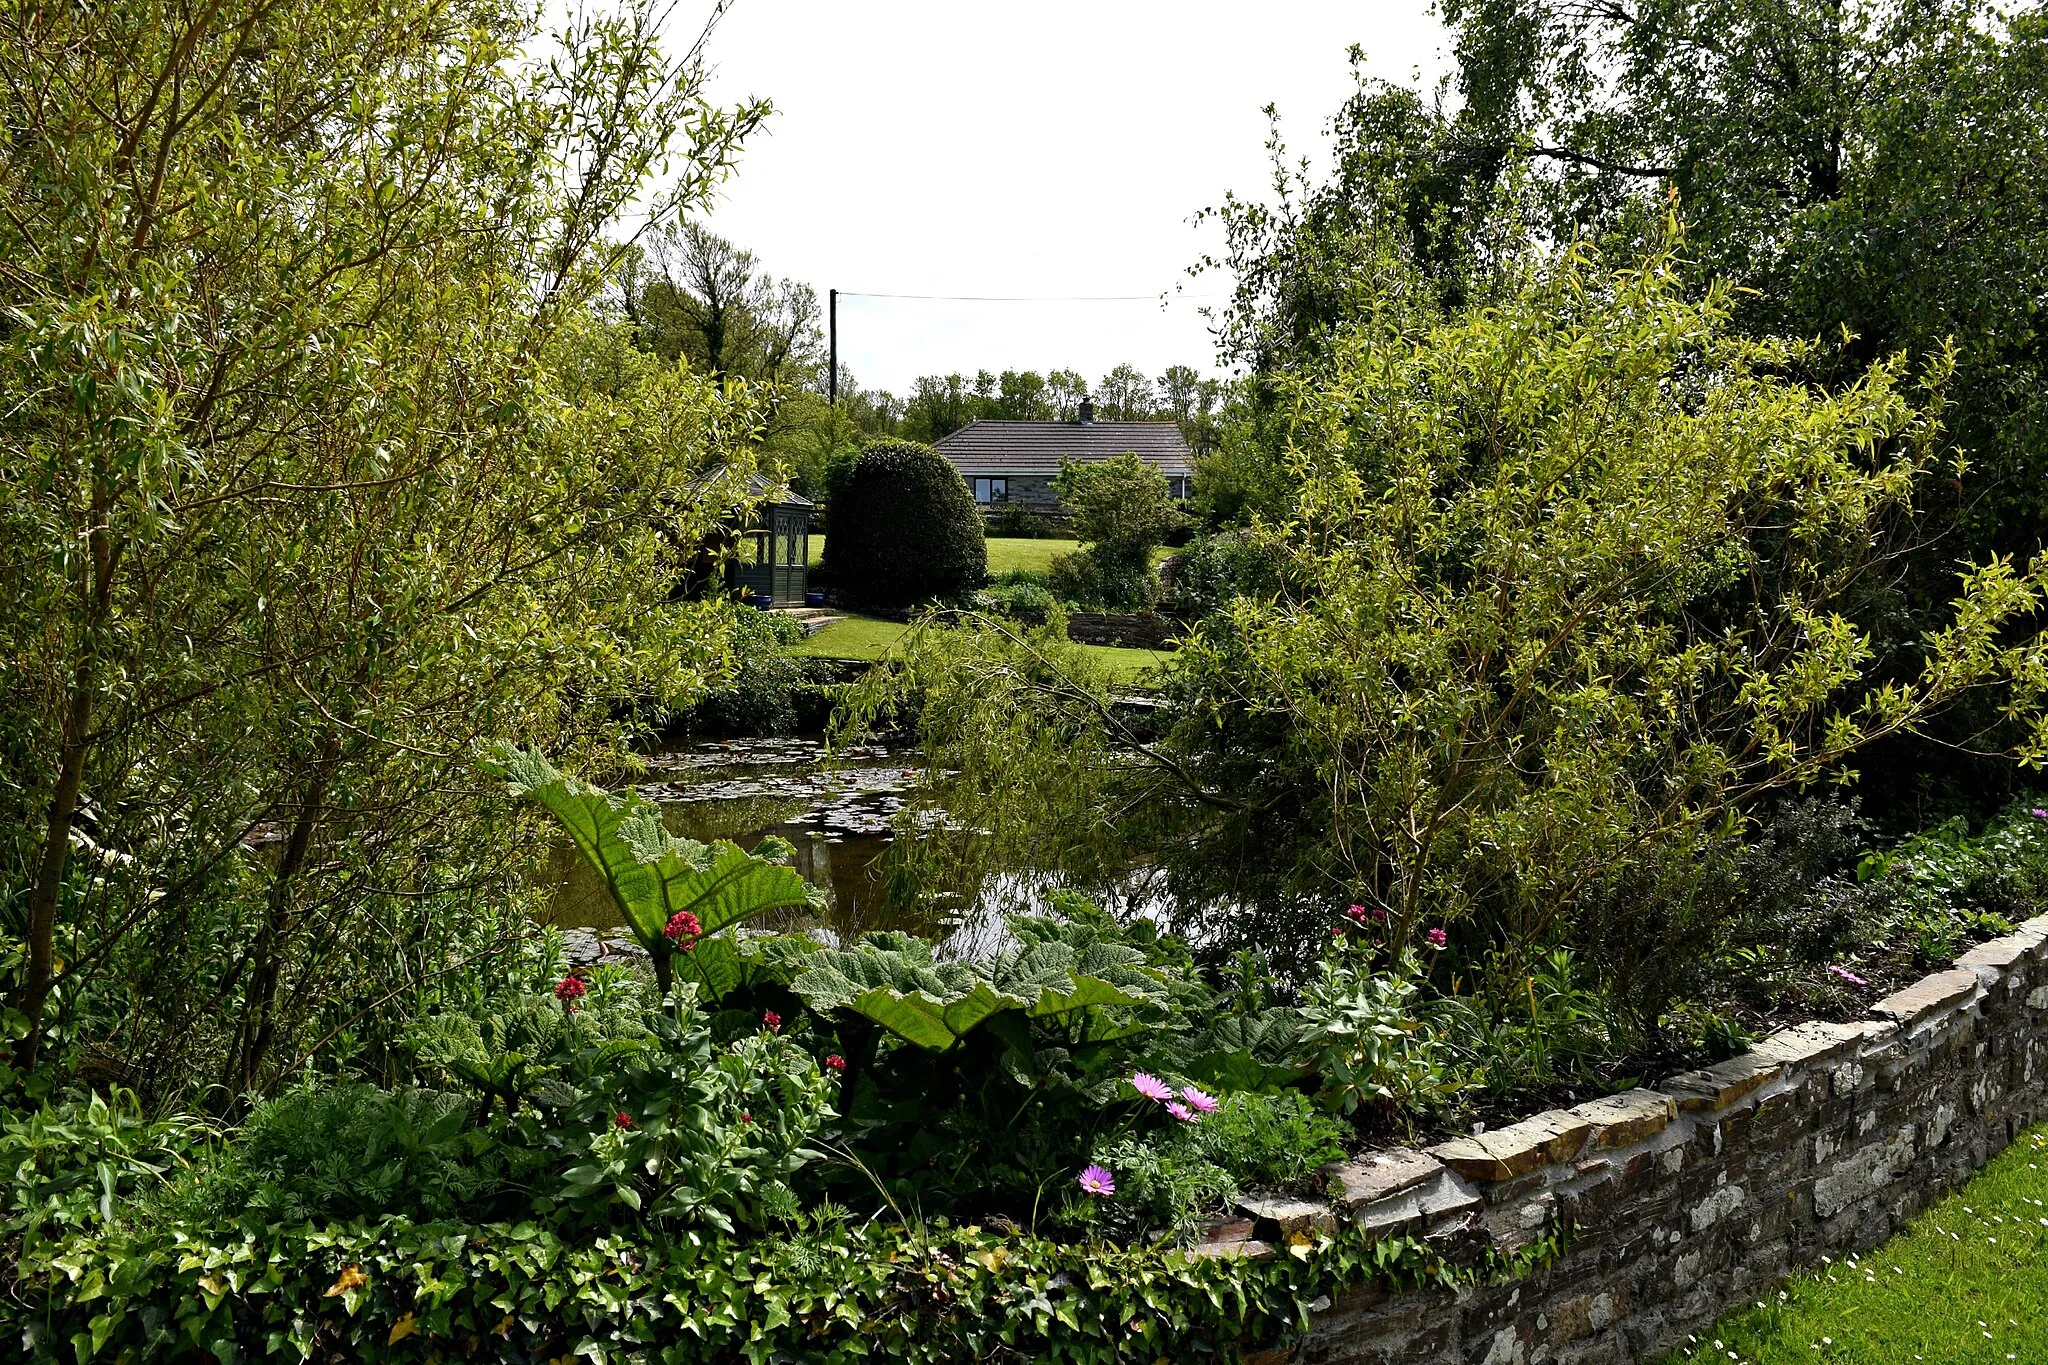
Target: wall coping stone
1722	1084
1628	1118
1375	1175
1929	995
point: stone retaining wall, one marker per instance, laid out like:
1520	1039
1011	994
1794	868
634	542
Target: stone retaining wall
1679	1203
1128	630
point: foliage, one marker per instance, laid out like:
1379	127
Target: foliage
1869	173
1216	569
1015	520
1945	887
1568	592
904	528
1962	1282
1021	594
397	1291
770	691
1558	1029
322	463
659	881
340	1150
74	1167
1172	1180
1360	1026
1122	509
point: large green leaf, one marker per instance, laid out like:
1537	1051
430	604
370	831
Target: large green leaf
651	874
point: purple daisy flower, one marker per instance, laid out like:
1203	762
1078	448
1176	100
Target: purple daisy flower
1181	1112
1151	1087
1097	1180
1198	1101
1847	975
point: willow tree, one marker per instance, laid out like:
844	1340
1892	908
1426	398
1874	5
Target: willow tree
319	464
1571	585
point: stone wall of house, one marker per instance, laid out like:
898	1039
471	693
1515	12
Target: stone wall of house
1705	1193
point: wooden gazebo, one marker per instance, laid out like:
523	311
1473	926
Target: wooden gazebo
772	556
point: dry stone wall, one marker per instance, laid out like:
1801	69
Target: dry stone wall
1678	1203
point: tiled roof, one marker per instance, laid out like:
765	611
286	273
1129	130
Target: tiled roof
1038	447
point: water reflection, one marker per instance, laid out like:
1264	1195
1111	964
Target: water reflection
835	808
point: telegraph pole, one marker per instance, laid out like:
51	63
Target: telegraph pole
832	382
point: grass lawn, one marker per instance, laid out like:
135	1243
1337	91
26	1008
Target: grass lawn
862	637
1005	554
1966	1282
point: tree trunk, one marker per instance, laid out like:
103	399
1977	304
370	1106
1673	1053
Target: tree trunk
33	994
259	1017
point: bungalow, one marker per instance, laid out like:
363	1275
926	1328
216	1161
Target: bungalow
1014	462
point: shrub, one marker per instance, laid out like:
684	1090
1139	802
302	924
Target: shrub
1122	508
1092	578
353	1150
1016	521
1019	593
904	528
1170	1180
1217	569
771	692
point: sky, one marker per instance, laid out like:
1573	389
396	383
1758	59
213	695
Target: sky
1050	151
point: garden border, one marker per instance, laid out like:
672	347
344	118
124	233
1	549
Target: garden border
1674	1204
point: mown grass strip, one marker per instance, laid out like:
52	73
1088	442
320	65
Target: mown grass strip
1966	1282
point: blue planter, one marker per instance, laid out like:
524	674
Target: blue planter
761	600
814	599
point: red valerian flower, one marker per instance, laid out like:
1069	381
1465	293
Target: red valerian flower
623	1119
1437	938
771	1021
569	990
682	925
746	1116
835	1063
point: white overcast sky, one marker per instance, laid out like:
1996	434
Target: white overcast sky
1051	149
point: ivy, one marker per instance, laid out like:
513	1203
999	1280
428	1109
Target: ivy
391	1290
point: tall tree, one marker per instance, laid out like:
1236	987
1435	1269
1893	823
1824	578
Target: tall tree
1125	395
1863	166
306	477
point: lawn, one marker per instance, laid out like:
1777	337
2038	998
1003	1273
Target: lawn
1005	554
1967	1281
862	637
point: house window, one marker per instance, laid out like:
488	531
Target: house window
987	491
1178	485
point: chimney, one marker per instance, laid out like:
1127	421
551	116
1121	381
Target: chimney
1087	412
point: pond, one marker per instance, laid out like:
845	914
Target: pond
836	808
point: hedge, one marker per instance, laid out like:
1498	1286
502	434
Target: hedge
391	1290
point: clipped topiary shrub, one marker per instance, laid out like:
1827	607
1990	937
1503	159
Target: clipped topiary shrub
904	528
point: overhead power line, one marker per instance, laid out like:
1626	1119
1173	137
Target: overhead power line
1027	298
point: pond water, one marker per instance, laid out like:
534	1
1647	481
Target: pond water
836	808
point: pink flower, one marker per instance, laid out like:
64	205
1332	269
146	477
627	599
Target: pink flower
2038	813
682	925
835	1063
1356	914
622	1119
1437	938
1197	1100
1180	1111
1151	1087
771	1021
1847	975
1098	1181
